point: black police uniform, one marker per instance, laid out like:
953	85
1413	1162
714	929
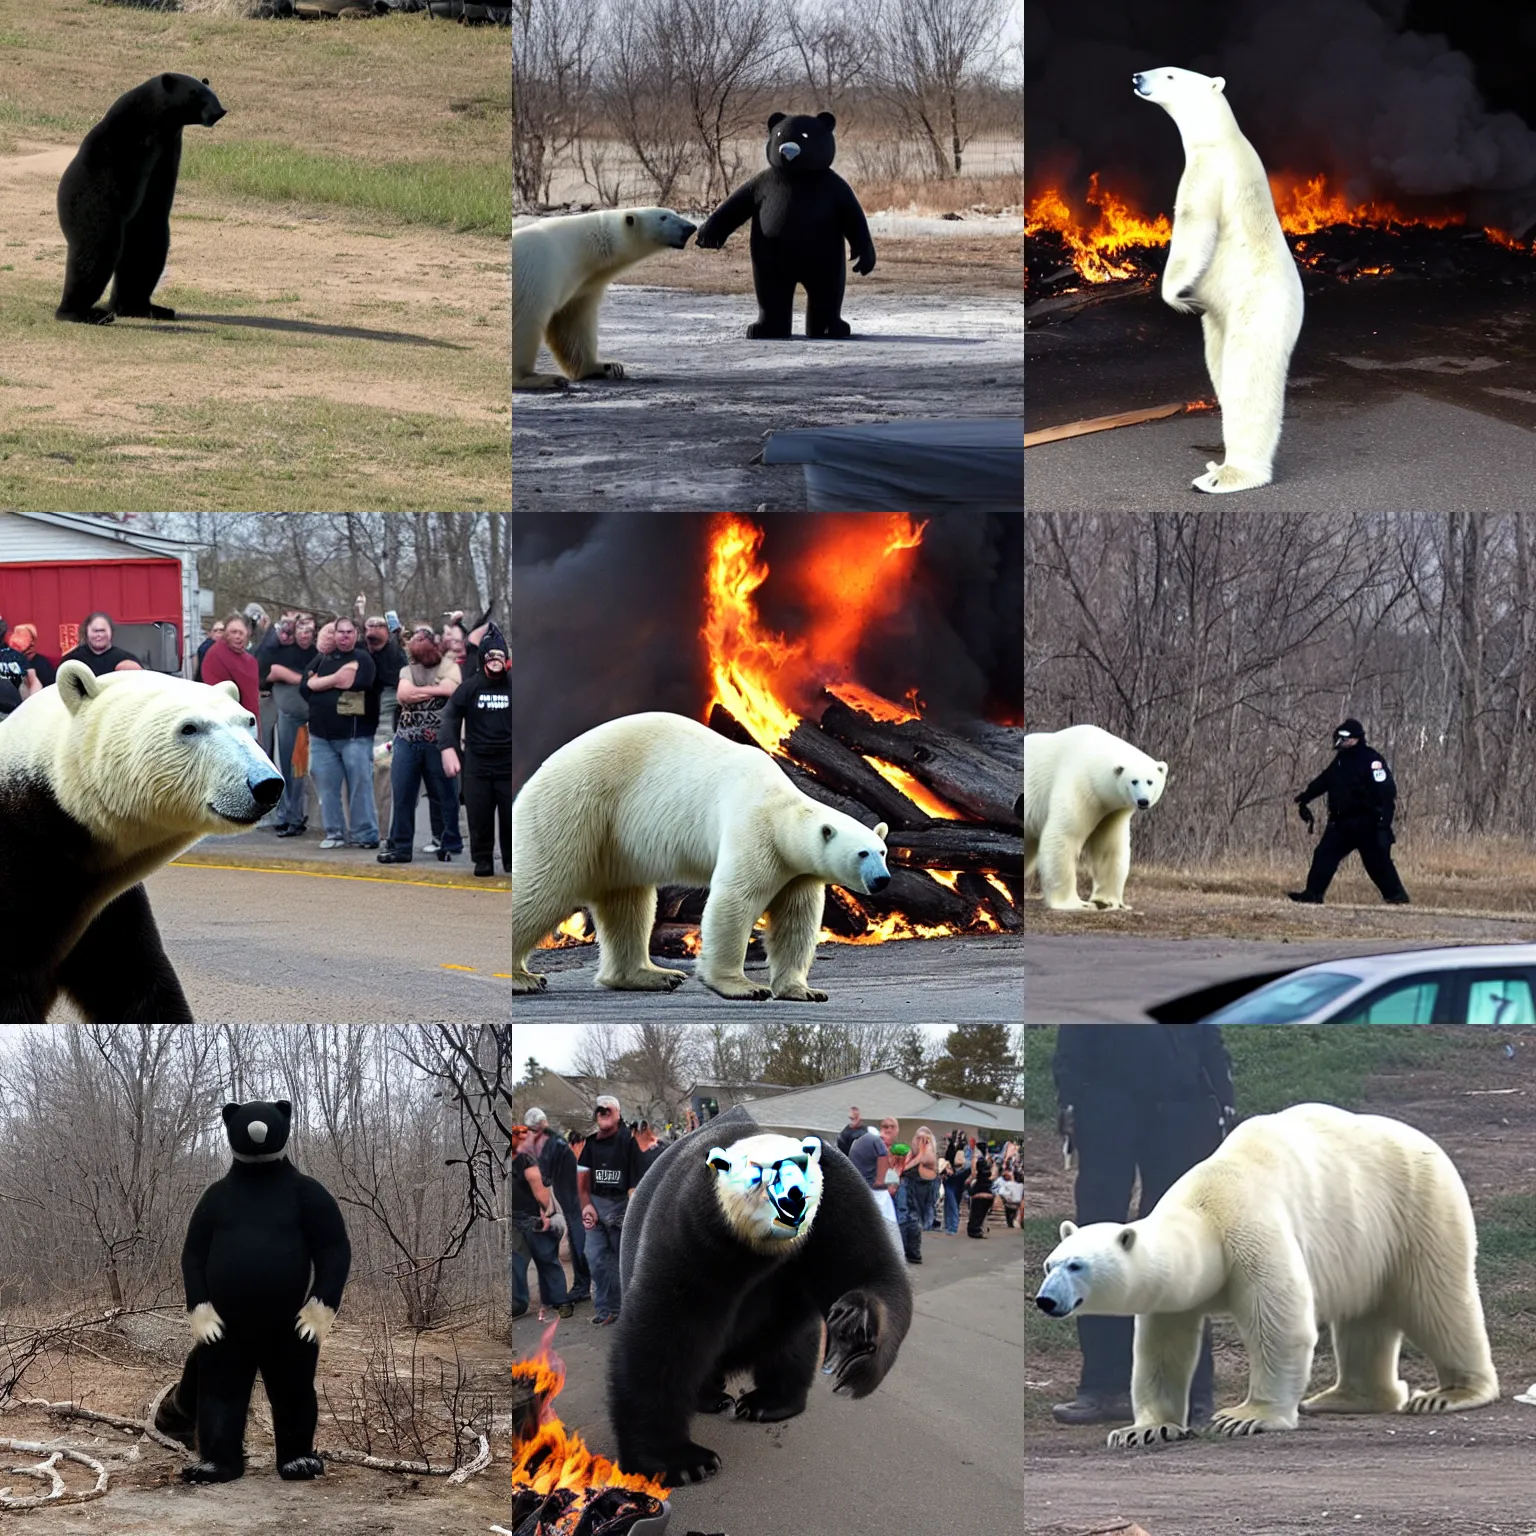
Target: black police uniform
1147	1097
1362	798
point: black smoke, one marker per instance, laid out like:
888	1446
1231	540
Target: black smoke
1344	88
606	610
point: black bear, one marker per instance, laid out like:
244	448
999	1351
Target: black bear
115	198
264	1265
802	211
736	1245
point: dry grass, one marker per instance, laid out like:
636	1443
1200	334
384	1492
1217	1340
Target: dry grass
933	198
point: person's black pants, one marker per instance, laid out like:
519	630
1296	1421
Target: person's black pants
1114	1138
981	1208
487	797
227	1372
1355	835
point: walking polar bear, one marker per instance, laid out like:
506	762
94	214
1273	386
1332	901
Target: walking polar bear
560	270
1081	788
1228	263
1310	1215
658	799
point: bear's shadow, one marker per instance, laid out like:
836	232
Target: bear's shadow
185	321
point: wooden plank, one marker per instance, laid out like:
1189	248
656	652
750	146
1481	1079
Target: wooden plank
1109	423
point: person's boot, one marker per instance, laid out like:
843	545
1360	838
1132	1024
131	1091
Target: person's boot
1200	1412
1306	898
1400	900
1095	1408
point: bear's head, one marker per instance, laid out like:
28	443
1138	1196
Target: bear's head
141	759
661	227
799	145
1089	1270
1191	100
850	854
769	1188
257	1132
188	101
1138	781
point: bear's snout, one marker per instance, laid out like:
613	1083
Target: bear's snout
1050	1306
266	788
1143	803
788	151
878	884
212	113
1139	83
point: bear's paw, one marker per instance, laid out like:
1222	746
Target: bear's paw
798	992
1146	1434
528	981
210	1472
1222	479
689	1463
767	1408
1245	1420
206	1326
301	1469
314	1321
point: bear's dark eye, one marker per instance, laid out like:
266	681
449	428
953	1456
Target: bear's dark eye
863	853
189	729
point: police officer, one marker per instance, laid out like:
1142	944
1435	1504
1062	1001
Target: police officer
1361	800
1149	1098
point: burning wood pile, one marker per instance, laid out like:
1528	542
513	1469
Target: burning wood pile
1069	255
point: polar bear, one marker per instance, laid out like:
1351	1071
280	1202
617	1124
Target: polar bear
1228	263
102	781
560	270
658	799
1307	1216
1081	788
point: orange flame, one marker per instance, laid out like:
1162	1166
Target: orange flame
856	572
919	794
571	932
555	1457
1095	249
877	707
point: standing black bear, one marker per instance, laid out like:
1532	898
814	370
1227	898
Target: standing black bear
736	1246
802	211
253	1243
115	198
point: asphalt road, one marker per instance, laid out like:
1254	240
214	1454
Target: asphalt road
934	1449
918	981
1097	979
273	947
1401	396
682	428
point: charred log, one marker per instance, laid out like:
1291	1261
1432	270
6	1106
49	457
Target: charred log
982	893
919	898
959	845
831	763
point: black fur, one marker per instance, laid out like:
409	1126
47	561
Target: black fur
115	198
109	959
802	213
254	1241
700	1305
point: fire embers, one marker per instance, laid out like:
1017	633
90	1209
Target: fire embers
567	1512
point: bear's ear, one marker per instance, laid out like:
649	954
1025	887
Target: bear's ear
1162	768
286	1108
1218	84
77	683
629	218
205	82
230	1111
718	1160
880	830
1119	769
229	689
828	119
1067	1229
1126	1237
168	82
774	121
827	833
811	1146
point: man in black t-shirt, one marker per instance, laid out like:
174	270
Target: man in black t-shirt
283	665
607	1170
482	707
388	661
340	743
97	650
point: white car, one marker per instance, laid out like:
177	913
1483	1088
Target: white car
1470	984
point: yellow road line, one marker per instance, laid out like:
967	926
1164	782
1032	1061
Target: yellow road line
475	970
315	874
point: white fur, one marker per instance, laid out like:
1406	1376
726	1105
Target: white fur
314	1321
1228	262
658	799
742	1172
1310	1215
116	754
206	1326
561	268
1081	788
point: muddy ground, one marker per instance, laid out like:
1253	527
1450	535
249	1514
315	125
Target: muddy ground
146	1497
1467	1474
938	333
1408	394
919	981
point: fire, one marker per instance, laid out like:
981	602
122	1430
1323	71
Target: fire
555	1457
571	932
1305	205
856	571
875	705
948	878
919	794
896	927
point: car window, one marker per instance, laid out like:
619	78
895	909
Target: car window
1409	1000
1500	1000
1293	997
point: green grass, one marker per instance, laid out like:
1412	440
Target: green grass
460	197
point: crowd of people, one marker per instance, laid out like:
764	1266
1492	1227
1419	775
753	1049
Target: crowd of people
333	698
918	1189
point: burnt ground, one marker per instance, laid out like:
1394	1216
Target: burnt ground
1466	1473
919	981
682	429
1402	394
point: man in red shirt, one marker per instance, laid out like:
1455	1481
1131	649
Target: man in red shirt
228	660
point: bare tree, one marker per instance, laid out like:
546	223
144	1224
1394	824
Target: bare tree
641	87
553	58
